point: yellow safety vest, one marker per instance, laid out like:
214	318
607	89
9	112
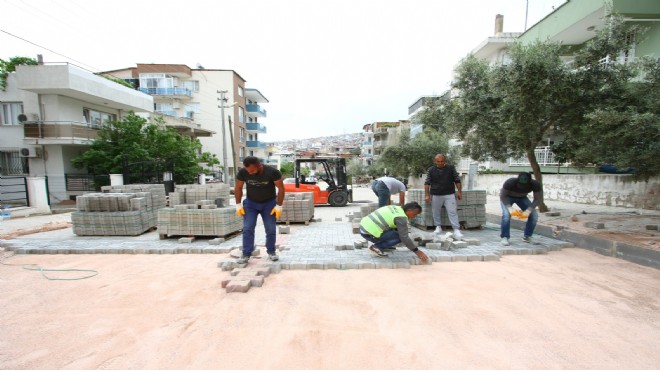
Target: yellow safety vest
381	220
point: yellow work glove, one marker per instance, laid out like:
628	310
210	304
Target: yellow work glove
277	211
239	210
518	213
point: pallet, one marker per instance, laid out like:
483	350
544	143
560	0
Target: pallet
175	236
293	222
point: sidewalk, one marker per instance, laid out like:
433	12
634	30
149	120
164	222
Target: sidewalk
324	244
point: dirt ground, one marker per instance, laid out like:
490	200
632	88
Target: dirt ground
623	228
568	309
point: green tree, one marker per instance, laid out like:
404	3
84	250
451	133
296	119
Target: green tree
622	126
505	111
133	139
8	66
412	157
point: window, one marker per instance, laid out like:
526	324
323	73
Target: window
11	163
96	119
10	112
241	115
241	135
242	152
192	85
240	91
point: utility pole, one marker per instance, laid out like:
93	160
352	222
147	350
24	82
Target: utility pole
223	100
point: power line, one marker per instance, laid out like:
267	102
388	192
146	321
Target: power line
45	48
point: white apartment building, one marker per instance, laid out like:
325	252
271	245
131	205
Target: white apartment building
50	113
211	105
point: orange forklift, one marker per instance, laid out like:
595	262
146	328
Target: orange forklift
330	187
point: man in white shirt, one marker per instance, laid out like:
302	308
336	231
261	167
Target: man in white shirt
384	187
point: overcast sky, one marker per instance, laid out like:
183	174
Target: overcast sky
327	67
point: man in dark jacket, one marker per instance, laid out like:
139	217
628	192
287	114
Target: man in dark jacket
442	187
514	191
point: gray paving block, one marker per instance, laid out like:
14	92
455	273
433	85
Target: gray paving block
443	258
348	265
552	214
595	225
238	286
475	257
366	265
315	266
460	258
435	246
472	241
284	230
339	219
186	240
459	244
298	266
652	227
330	265
491	257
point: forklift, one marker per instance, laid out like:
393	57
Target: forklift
336	193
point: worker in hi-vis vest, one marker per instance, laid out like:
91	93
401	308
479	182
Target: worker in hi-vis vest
388	226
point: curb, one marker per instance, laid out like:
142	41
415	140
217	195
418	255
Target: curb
605	247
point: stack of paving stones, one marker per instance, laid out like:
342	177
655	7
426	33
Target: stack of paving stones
194	211
190	194
297	207
126	210
471	209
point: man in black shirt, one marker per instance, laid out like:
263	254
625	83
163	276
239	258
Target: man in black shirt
261	199
439	189
514	191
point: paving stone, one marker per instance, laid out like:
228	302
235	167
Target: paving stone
552	214
595	225
443	258
298	266
330	265
339	219
238	286
491	257
651	227
459	244
460	258
349	265
474	257
366	265
186	240
284	229
472	241
436	246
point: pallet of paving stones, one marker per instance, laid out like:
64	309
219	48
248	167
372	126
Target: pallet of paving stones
297	208
190	219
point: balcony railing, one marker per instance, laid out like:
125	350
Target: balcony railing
256	109
61	132
255	144
256	126
167	91
544	156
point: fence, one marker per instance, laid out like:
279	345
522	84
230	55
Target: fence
13	191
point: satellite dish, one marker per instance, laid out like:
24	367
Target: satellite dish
22	118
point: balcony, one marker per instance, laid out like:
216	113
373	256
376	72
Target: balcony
256	127
255	144
543	154
255	110
170	92
185	126
57	132
367	143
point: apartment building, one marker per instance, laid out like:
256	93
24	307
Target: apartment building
379	135
212	105
50	113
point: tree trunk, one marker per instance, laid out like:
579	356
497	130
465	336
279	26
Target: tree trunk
537	174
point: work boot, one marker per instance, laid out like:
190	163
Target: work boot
243	260
438	230
273	257
377	252
458	235
505	241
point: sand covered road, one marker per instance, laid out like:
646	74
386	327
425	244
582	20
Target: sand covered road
568	309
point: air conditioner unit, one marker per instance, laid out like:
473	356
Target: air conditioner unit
30	152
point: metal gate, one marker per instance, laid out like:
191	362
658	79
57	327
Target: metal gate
150	172
13	191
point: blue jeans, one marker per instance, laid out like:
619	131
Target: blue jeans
252	210
387	239
383	193
523	203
